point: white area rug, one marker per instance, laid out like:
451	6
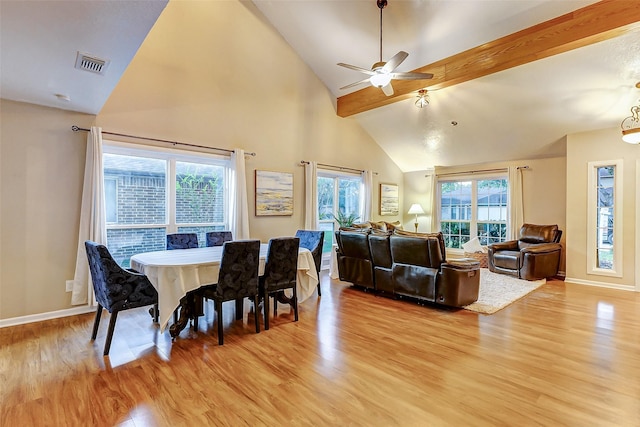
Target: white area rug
499	290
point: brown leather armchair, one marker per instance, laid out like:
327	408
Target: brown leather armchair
535	255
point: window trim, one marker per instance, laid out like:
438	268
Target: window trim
618	232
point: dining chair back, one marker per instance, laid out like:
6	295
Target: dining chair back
237	279
280	273
116	289
313	240
217	238
182	241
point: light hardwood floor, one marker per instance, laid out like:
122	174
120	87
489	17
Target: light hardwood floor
564	355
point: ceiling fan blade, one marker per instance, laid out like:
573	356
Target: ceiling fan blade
355	84
411	76
393	63
388	89
353	67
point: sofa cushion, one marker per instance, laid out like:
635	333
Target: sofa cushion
437	235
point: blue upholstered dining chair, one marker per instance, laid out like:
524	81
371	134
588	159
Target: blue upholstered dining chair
116	289
313	240
280	273
238	279
217	238
182	241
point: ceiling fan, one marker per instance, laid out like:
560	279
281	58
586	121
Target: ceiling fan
381	73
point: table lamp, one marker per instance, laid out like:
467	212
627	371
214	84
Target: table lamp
416	209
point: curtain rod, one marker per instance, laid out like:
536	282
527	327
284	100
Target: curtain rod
478	171
341	168
76	129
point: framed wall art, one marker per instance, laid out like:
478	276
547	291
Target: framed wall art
389	199
274	193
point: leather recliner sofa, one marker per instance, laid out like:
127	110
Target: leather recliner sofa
535	255
401	263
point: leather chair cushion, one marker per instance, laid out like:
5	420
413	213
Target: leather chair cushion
507	259
530	233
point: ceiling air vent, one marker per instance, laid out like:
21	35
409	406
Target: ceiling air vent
91	63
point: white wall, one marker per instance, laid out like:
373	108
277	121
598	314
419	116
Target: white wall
41	170
582	148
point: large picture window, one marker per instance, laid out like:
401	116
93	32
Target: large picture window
472	208
150	193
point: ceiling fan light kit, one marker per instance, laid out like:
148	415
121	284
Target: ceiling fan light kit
381	72
423	99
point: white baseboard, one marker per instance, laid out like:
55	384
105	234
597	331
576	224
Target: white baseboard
600	284
13	321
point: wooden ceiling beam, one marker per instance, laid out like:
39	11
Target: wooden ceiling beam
591	24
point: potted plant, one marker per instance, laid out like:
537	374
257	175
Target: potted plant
345	220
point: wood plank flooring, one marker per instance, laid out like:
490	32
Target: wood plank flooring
565	355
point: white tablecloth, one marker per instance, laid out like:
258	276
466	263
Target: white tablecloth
333	263
174	273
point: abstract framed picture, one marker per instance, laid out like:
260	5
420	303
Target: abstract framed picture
274	193
389	200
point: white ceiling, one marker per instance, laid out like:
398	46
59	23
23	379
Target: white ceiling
520	113
40	41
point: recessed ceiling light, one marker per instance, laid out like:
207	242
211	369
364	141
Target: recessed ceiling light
63	97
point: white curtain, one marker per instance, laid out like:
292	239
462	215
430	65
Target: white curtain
311	196
92	215
516	204
238	206
365	196
434	203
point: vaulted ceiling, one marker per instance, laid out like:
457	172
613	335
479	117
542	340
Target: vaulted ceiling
489	101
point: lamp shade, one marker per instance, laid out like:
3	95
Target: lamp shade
415	209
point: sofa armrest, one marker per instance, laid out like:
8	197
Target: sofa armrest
461	264
510	245
542	248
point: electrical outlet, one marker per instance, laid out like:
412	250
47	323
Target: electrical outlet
69	287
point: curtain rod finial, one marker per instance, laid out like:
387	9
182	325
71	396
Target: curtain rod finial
75	128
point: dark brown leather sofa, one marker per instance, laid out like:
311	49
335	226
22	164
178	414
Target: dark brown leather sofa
535	255
401	263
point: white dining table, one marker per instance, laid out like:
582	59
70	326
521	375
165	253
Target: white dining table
175	272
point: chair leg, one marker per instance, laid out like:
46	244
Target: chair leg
256	314
275	305
294	299
319	288
239	308
156	313
112	326
266	311
96	322
219	317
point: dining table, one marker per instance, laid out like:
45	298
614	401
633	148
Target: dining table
177	273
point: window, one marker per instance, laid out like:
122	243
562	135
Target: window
150	193
338	196
604	223
473	207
